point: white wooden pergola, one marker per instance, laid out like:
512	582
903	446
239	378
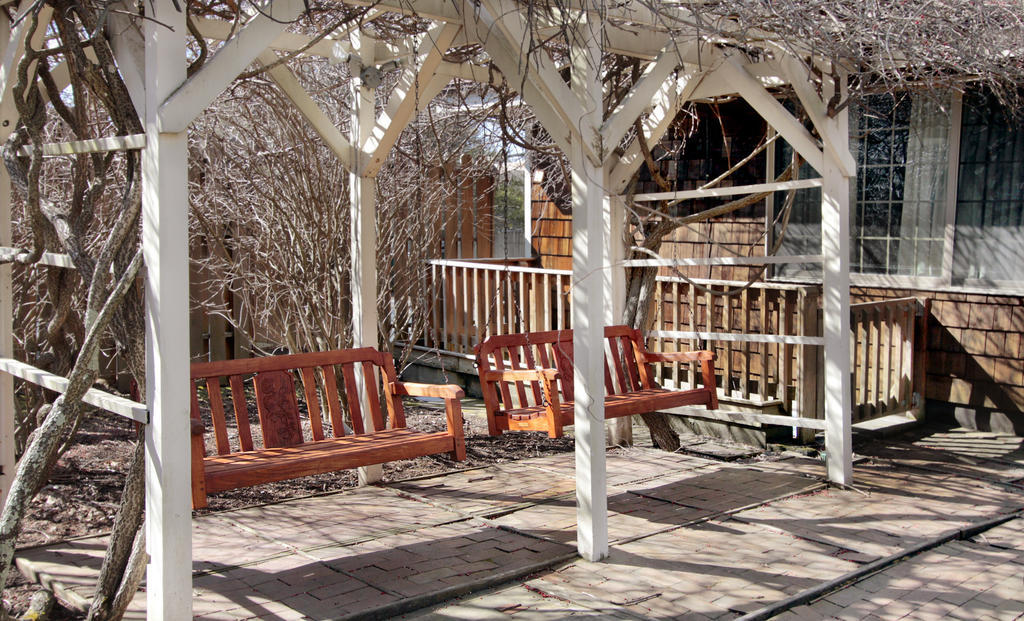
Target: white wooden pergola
151	57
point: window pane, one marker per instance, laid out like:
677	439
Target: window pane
989	231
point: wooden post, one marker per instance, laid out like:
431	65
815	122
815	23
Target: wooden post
590	229
835	246
620	430
363	248
165	249
8	116
807	360
920	370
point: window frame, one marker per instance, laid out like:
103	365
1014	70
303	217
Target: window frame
945	280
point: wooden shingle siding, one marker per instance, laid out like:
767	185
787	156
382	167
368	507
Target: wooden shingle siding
975	347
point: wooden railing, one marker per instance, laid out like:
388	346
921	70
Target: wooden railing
888	369
768	336
474	300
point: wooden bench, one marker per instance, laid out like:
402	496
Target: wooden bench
286	451
527	379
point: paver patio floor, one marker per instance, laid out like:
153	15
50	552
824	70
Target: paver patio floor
691	538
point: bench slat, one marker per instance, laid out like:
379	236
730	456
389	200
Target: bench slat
352	396
241	409
333	402
217	414
245	469
370	382
316	419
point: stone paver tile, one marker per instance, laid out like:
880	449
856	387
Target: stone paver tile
893	510
1008	535
323	520
211	533
805	466
957	580
488	490
724	489
439	557
307	587
625	464
709	569
515	602
629	516
983	444
945	461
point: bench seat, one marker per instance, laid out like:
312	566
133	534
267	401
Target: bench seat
523	377
366	428
330	455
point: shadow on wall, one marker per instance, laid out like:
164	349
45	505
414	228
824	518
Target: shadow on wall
962	389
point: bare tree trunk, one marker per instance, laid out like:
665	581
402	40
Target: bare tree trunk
122	538
61	418
636	314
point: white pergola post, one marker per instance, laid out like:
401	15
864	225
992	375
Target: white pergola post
8	116
363	223
620	430
590	217
165	248
835	247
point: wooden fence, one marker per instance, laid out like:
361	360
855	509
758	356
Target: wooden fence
888	366
767	336
474	300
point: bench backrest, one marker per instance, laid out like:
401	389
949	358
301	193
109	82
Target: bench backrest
272	381
553	349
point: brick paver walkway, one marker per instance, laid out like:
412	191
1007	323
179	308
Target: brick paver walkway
693	538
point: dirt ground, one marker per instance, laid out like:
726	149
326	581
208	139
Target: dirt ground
85	487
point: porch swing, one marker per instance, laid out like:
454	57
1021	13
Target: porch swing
367	427
527	378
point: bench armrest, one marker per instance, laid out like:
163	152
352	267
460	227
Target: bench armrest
198	428
443	391
678	356
518	375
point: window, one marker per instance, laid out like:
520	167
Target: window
901	146
990	195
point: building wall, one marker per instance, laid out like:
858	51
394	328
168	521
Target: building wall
975	364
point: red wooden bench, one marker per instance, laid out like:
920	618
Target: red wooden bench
527	379
287	452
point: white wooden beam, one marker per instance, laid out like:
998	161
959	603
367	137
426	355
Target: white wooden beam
403	102
667	103
314	115
703	261
334	46
237	53
641	95
590	219
755	188
8	253
125	34
9	43
797	76
94	397
165	250
363	232
509	60
835	246
500	28
94	145
771	111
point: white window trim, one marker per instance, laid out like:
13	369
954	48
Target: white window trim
945	281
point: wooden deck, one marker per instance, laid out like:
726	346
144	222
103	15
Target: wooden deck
691	536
